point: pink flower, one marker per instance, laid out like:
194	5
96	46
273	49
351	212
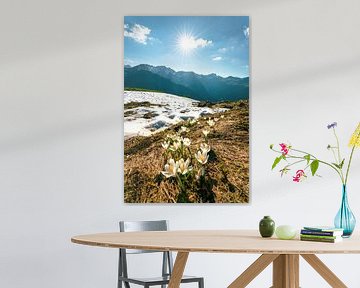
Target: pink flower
300	174
284	148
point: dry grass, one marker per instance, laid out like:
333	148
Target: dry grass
228	165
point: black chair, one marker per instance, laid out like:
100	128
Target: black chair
167	265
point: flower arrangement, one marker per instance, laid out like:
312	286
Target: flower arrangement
295	157
185	168
344	218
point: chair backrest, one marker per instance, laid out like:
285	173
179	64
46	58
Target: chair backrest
137	226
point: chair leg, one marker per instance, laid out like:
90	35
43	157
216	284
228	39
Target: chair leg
201	283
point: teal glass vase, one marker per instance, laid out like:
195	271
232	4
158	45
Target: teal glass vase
345	219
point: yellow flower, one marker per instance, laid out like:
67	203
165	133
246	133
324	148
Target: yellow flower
183	166
355	138
202	157
204	147
170	168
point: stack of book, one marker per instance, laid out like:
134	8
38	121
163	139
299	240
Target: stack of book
321	234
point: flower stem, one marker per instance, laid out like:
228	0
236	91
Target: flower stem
339	156
348	167
338	146
320	161
296	162
311	159
304	152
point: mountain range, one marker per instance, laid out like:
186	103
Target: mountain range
211	87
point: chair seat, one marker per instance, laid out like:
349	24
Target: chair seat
158	280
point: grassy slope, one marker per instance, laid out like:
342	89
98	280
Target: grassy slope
228	165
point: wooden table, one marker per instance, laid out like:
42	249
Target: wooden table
284	254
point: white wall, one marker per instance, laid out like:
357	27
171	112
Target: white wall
61	133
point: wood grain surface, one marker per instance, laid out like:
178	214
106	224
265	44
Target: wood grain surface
217	241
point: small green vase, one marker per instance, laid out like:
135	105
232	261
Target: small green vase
267	227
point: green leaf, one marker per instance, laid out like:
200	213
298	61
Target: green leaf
276	162
339	166
314	166
342	163
336	165
307	157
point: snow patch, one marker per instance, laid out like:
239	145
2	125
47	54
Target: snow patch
164	110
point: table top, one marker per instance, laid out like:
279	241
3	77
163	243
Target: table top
217	241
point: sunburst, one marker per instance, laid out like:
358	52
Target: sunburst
186	43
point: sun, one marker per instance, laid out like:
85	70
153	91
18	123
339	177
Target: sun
186	43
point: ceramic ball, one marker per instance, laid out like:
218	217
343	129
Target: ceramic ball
285	232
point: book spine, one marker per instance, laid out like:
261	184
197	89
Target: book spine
319	236
319	233
318	239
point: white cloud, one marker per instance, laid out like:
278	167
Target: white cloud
137	32
246	32
223	50
190	42
200	42
217	58
129	62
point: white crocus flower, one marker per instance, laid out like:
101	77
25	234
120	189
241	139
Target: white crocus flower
211	123
216	119
205	147
165	144
176	145
184	129
183	166
222	116
170	136
205	132
202	157
186	142
192	121
198	174
170	169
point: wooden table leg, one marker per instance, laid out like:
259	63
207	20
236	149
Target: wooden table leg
324	271
286	271
253	270
178	270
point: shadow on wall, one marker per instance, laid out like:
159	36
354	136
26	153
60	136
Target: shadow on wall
55	134
311	74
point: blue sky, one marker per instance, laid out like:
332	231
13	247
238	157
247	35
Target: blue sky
214	44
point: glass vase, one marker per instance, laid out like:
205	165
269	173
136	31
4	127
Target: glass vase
345	219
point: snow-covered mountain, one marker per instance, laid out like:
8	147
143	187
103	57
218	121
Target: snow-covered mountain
209	87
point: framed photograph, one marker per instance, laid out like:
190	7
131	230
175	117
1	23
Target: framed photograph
186	109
